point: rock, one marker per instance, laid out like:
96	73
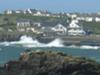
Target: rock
50	63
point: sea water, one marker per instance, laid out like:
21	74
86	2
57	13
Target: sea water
8	53
12	50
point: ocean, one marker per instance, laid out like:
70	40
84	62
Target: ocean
8	53
12	50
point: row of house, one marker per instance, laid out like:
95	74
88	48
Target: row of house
18	11
72	29
34	12
85	17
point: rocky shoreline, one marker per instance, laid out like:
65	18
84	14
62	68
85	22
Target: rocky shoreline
93	40
50	63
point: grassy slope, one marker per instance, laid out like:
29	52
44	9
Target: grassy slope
95	26
10	21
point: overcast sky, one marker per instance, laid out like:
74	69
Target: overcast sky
53	5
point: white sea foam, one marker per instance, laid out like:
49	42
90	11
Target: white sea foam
84	47
5	43
27	41
55	43
89	47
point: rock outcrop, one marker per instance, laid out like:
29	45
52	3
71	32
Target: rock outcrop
50	63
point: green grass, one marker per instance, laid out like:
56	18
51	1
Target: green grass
9	21
94	26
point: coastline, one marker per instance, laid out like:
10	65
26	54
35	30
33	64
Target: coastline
50	63
92	40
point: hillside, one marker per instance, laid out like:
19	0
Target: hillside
90	22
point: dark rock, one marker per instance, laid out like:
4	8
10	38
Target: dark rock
50	63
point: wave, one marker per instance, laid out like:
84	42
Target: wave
28	41
84	47
5	43
89	47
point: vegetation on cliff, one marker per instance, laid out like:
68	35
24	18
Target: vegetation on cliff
10	21
50	63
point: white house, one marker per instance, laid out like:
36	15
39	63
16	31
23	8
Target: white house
59	29
75	29
37	24
23	25
97	19
8	12
26	26
29	11
89	19
39	13
17	11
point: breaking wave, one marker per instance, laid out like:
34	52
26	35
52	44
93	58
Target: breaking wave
89	47
85	47
27	41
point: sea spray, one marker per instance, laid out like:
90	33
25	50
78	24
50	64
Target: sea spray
5	43
89	47
84	47
28	41
56	43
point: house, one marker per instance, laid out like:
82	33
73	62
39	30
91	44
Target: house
23	25
37	24
59	29
47	31
74	29
8	12
52	29
28	26
29	11
97	19
41	13
17	11
38	13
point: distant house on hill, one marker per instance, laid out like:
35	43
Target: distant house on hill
27	11
28	25
60	29
41	13
18	11
75	29
8	12
47	31
37	24
23	25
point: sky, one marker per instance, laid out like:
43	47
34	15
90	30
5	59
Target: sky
52	5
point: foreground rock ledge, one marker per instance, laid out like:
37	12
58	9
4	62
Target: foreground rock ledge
50	63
